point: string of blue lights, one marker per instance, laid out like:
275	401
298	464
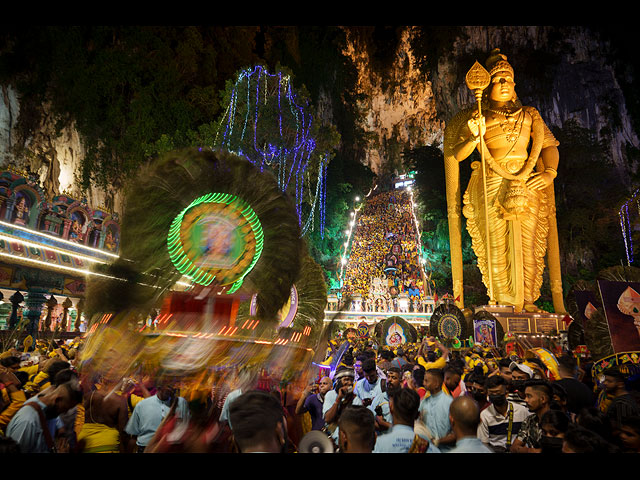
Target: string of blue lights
290	154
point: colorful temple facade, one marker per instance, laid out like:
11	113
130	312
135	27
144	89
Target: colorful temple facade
47	249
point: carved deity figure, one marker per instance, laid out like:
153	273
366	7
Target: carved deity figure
21	211
509	202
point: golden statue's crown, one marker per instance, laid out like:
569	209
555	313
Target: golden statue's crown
497	63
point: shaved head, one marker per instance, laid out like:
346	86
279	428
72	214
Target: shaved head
465	415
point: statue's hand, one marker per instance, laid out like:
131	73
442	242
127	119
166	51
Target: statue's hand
538	181
477	124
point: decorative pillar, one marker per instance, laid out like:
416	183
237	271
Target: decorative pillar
66	305
67	227
10	203
33	309
16	299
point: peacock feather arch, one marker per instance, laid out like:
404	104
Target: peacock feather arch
169	207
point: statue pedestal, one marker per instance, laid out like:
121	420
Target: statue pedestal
525	323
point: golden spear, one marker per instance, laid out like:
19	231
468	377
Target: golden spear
477	80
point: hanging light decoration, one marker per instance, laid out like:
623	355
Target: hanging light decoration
265	123
625	225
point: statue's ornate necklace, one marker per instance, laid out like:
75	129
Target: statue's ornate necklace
512	122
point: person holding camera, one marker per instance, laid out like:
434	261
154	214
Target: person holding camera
336	400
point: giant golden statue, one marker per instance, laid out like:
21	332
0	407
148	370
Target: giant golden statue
509	201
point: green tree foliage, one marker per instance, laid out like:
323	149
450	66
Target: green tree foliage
131	91
315	57
135	92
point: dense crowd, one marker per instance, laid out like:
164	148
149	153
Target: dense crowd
417	398
385	246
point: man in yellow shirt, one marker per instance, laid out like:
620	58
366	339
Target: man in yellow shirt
427	358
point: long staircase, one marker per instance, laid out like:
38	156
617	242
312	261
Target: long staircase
383	273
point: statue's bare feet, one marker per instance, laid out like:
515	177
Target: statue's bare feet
530	307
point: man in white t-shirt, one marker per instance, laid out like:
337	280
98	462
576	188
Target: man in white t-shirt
500	422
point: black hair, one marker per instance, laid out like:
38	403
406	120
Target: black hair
369	365
9	361
347	359
406	403
73	389
386	355
615	373
22	376
456	360
581	440
538	362
558	419
542	386
407	367
495	381
64	376
369	353
436	372
8	445
452	369
359	423
560	391
592	418
55	367
504	363
254	417
394	370
418	375
568	362
478	378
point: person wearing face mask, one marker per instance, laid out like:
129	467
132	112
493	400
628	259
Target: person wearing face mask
554	424
501	420
30	427
520	374
478	390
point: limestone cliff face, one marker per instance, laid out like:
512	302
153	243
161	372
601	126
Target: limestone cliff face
565	72
54	157
402	116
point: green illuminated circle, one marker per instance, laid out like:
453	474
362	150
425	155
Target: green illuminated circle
217	237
